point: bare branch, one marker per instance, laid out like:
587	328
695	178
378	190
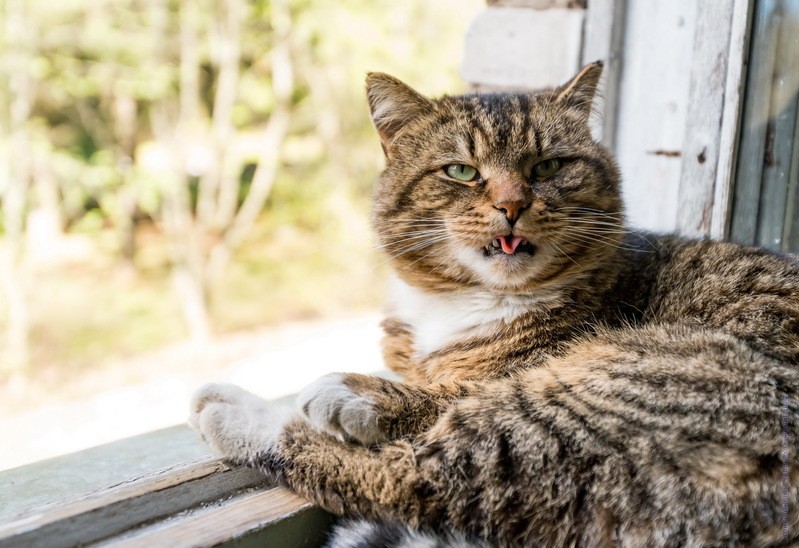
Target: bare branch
274	135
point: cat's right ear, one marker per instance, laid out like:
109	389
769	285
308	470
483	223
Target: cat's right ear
393	104
580	91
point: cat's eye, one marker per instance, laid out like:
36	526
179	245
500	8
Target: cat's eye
547	168
461	172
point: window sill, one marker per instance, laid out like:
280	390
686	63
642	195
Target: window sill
203	501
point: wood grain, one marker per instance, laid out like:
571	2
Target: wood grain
704	118
115	509
603	38
653	95
219	523
732	117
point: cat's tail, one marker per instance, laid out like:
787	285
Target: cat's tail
368	534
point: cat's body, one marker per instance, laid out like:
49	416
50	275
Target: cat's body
567	381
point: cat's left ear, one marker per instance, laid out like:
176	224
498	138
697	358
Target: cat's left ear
393	104
579	92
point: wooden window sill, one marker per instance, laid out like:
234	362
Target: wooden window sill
204	501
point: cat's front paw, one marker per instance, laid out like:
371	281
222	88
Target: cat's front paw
333	407
235	423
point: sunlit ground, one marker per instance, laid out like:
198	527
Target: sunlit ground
292	306
89	309
152	391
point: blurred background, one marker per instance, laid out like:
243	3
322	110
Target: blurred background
178	178
185	184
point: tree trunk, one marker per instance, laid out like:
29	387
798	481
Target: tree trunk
19	33
237	226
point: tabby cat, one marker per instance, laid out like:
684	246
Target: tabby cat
566	381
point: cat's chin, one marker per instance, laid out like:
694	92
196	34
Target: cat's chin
500	270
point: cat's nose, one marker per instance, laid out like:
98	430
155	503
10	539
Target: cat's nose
512	209
510	195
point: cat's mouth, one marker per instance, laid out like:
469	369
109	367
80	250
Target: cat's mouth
508	245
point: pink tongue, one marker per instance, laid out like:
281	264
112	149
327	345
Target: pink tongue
509	247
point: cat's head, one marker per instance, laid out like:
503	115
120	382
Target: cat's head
504	191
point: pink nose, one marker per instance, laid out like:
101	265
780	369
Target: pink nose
510	194
512	209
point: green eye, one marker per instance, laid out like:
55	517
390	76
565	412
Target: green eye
547	168
461	172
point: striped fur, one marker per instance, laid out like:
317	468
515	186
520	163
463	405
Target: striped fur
651	399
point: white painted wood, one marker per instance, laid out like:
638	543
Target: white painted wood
731	117
703	118
658	49
603	37
714	116
523	48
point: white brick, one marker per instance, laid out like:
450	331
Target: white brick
522	48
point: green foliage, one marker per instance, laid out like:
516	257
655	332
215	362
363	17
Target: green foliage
107	72
104	66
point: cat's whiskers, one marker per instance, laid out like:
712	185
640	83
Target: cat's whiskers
588	237
589	211
418	244
413	232
599	230
601	239
584	220
422	257
449	217
409	241
619	216
411	248
564	253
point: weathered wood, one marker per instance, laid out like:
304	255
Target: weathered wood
603	38
522	48
779	130
653	94
115	509
746	200
236	517
732	114
790	239
71	476
704	118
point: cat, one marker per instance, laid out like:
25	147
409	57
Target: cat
566	380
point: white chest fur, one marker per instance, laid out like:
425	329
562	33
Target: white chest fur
438	319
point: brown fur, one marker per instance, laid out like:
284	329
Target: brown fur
640	406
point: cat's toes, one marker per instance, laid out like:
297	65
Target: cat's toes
235	423
332	407
213	393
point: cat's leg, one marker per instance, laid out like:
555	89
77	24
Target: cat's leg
236	423
371	410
